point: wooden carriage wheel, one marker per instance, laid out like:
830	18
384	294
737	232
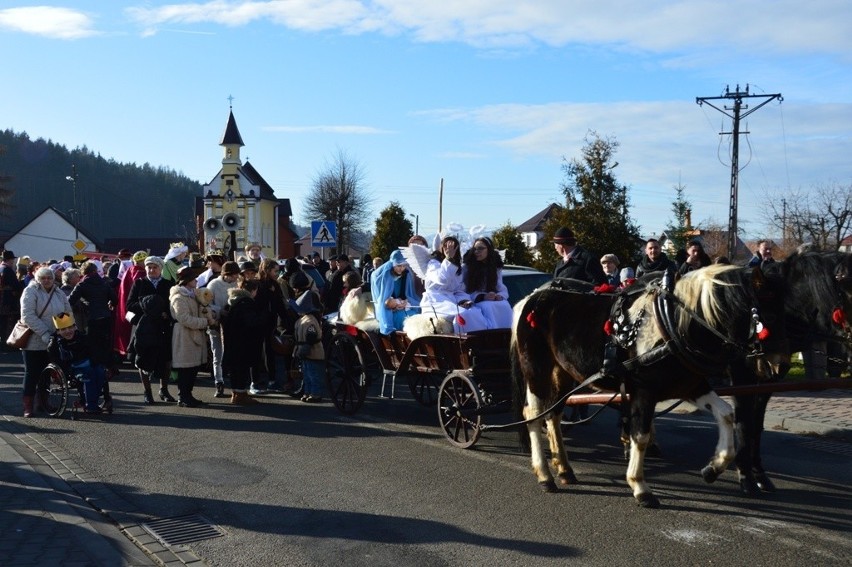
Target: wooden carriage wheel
424	387
459	402
345	374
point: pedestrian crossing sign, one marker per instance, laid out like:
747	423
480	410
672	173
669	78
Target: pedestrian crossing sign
323	233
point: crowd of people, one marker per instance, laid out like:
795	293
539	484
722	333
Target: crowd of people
168	315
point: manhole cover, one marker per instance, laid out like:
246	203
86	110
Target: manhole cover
182	529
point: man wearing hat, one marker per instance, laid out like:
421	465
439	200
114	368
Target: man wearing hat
575	261
123	260
156	367
248	270
10	294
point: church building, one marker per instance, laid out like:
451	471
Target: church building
239	207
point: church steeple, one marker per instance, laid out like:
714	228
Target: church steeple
231	140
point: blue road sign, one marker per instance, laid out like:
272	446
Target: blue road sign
323	233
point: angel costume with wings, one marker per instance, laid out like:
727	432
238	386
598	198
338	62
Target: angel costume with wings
444	290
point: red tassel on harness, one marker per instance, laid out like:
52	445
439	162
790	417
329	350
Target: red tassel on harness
531	320
460	320
608	327
839	317
763	334
604	288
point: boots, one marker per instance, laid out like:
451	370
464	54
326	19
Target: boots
242	399
28	406
165	395
220	390
146	384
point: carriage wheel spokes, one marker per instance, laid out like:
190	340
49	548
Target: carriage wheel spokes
53	390
424	387
345	374
458	404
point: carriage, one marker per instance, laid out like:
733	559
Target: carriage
464	376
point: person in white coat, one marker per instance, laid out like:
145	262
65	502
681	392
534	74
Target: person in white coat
445	294
483	281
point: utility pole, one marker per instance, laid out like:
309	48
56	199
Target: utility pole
738	114
74	213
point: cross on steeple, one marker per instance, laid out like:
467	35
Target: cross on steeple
231	102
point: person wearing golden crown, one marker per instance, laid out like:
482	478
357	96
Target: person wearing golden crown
173	260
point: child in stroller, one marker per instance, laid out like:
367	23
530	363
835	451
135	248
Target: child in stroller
69	349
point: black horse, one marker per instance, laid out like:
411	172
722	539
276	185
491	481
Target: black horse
674	342
818	307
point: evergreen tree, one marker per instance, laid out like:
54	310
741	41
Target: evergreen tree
597	206
680	231
509	239
393	230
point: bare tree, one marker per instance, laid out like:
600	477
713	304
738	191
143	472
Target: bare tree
338	193
821	216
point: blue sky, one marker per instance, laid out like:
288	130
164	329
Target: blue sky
487	94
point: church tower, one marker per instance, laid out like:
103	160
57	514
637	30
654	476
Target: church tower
238	207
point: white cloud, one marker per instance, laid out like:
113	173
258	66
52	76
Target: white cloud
341	129
48	21
784	26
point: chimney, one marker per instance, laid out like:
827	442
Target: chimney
689	218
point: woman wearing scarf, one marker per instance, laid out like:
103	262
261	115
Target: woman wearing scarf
392	286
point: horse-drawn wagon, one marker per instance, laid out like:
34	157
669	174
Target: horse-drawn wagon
465	376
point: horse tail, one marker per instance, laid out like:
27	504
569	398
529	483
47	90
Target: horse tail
519	382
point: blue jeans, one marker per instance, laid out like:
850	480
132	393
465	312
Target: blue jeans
313	374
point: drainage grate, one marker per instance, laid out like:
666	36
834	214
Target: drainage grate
182	529
834	447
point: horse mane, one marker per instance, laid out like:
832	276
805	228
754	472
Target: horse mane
699	291
814	288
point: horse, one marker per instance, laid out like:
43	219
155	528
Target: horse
818	309
674	341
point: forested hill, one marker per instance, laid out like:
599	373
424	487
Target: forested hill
114	199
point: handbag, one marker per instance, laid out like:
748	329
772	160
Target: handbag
20	335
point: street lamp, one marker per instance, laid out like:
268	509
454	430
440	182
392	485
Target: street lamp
73	179
416	222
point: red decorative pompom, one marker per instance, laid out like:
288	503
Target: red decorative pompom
608	327
763	334
460	320
531	319
604	288
839	317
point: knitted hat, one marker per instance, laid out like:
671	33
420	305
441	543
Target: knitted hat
155	260
63	321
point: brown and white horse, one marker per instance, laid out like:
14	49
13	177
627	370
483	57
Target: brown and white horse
675	342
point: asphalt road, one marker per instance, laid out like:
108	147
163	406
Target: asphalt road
298	484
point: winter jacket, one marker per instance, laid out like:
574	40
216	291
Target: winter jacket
33	301
189	339
96	293
151	346
582	265
308	335
646	266
143	287
243	331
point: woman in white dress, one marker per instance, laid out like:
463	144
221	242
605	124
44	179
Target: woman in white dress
445	295
483	280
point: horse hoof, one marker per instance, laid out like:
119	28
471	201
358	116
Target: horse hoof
764	483
648	500
749	488
567	478
548	486
709	474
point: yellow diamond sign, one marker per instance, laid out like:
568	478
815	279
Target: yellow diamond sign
79	245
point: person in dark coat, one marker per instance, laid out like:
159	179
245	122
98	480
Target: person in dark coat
576	262
154	284
243	330
696	258
334	291
100	298
654	260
